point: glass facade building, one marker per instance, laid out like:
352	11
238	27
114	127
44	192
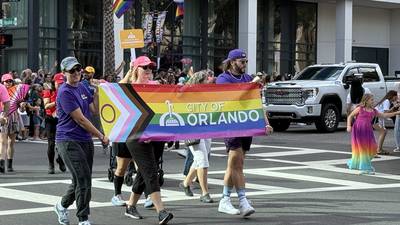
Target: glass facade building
289	34
286	33
49	30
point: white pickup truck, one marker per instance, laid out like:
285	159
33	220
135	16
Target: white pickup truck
318	94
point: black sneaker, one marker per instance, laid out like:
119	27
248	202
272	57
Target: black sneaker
61	165
51	170
206	198
2	166
132	212
164	217
187	190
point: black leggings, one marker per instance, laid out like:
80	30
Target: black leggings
146	179
51	125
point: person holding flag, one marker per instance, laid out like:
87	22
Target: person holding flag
74	141
234	68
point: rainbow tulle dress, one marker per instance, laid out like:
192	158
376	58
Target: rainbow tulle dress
363	144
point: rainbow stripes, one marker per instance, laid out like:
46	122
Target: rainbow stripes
202	111
173	112
363	146
180	10
121	6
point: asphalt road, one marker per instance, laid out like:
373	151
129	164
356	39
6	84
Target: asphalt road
295	177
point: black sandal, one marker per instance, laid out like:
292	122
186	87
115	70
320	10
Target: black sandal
383	152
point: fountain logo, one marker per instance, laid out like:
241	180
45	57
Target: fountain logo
171	119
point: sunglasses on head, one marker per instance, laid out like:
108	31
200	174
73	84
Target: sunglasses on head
146	67
73	70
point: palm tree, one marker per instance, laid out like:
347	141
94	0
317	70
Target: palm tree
108	38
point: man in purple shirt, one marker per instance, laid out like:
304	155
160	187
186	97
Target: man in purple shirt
74	140
235	72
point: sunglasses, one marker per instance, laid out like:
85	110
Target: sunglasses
73	70
146	67
242	61
8	81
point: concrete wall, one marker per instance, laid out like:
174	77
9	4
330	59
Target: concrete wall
383	31
248	32
371	27
119	52
394	51
326	33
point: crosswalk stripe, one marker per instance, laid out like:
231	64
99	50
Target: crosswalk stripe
7	190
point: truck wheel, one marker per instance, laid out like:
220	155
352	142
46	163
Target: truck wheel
280	125
329	119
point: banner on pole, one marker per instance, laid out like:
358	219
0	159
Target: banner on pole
147	27
160	26
173	112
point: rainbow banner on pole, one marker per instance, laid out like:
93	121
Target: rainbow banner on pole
173	112
121	6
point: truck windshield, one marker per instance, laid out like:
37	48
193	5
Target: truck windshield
320	73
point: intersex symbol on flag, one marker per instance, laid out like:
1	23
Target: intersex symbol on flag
123	113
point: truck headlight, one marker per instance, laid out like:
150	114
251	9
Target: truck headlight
310	93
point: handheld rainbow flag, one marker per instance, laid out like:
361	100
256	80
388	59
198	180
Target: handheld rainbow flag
173	112
180	10
121	6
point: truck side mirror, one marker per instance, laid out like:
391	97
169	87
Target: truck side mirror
347	81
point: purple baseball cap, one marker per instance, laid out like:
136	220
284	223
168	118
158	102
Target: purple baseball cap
236	54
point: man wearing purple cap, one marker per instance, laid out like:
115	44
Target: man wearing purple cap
235	72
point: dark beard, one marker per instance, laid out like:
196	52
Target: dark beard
237	70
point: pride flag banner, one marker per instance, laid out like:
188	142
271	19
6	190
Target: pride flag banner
173	112
121	6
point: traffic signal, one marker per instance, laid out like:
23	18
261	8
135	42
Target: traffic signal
6	40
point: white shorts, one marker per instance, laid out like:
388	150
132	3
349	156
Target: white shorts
200	153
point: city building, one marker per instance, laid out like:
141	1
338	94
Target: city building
280	36
45	31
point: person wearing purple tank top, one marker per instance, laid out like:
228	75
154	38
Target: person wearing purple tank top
235	72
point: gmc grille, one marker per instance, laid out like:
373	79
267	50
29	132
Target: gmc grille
284	96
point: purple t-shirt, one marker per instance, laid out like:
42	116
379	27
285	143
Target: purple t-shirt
226	78
70	98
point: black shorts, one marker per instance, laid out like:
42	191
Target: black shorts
121	150
238	142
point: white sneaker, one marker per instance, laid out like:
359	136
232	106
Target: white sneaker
86	222
396	150
225	206
245	208
118	201
62	214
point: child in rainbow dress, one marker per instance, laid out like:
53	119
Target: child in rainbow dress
363	144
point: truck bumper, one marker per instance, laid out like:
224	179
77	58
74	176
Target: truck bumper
293	112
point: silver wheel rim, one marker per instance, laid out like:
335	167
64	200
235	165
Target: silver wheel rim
330	118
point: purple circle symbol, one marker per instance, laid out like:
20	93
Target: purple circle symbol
106	106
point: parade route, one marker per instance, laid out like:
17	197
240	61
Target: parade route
291	176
